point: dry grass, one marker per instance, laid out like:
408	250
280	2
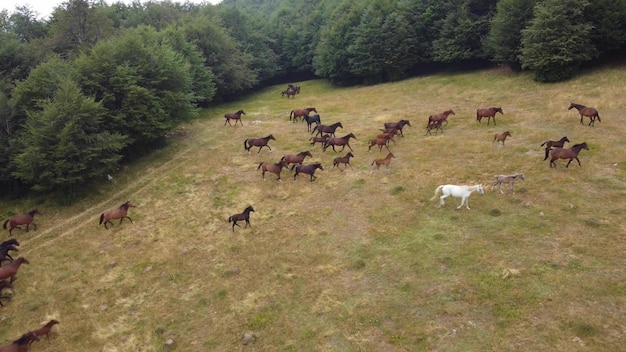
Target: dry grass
359	260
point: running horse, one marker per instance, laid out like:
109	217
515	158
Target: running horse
296	159
330	129
339	141
343	160
306	169
300	113
234	116
24	219
553	144
441	116
274	168
510	179
462	192
258	142
20	345
46	329
10	270
591	113
567	153
384	161
120	212
501	137
488	113
397	125
245	216
4	284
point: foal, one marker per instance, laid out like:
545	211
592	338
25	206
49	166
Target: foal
510	179
343	160
501	137
384	161
239	217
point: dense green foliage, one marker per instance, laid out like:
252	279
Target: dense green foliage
147	66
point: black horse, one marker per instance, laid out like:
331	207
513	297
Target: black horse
239	217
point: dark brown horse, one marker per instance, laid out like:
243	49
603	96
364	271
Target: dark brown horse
441	116
4	284
339	141
323	129
257	142
385	161
312	119
591	113
46	329
553	144
300	113
567	153
24	219
245	216
397	125
306	169
434	126
289	92
4	252
234	116
501	137
20	345
10	270
120	212
274	168
294	88
296	159
320	140
488	113
343	160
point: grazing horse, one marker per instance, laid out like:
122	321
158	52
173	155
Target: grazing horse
510	179
321	129
343	160
591	113
380	142
300	113
384	161
488	113
501	137
273	168
320	140
567	153
307	169
46	329
10	270
462	192
434	126
290	93
294	88
257	142
20	345
24	219
4	284
310	119
441	116
296	159
397	125
120	212
239	217
339	141
4	252
234	116
553	144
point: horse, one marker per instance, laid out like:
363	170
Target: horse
257	142
320	140
10	270
553	144
591	113
20	345
510	179
116	213
380	142
46	329
4	253
388	134
342	141
4	284
567	153
239	217
294	88
24	219
300	113
384	161
501	137
343	160
397	125
273	168
441	116
234	116
307	169
321	129
289	92
434	126
488	113
462	192
310	119
296	159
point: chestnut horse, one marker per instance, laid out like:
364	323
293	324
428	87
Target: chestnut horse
20	345
234	116
300	113
384	161
257	142
343	160
24	219
296	159
322	140
310	119
567	153
591	113
501	137
245	216
441	116
553	144
380	142
339	141
307	169
116	213
10	270
273	168
46	329
488	113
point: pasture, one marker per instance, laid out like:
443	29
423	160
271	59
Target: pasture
359	260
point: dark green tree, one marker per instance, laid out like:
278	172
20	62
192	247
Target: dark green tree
609	24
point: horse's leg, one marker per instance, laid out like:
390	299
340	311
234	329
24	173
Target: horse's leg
494	119
128	217
442	201
552	163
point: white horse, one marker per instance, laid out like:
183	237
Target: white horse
462	192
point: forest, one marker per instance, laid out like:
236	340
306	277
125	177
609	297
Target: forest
97	85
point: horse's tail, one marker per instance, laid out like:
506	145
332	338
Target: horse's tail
548	149
230	219
4	226
544	143
291	114
477	115
436	192
101	218
245	144
598	116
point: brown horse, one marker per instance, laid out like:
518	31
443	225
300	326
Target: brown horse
294	88
553	144
296	159
384	161
306	169
323	129
20	345
510	179
389	134
567	153
10	270
46	329
380	142
116	213
245	216
434	126
257	142
234	116
441	116
339	141
591	113
273	168
4	284
488	113
501	137
300	113
397	125
343	160
320	140
289	92
24	219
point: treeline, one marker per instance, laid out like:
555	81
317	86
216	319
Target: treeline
97	84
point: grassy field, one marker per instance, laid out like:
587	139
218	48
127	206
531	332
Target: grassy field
360	260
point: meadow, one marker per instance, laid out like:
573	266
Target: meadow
358	260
